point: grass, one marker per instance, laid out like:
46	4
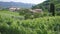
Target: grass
9	12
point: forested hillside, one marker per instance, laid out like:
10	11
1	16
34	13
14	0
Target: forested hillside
45	5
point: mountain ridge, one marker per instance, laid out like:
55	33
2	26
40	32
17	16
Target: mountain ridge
16	4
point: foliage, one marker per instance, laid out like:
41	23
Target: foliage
52	9
45	5
28	14
9	14
57	13
38	25
45	25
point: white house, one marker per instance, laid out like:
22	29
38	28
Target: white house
14	9
36	10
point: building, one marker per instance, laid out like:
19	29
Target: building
14	9
36	10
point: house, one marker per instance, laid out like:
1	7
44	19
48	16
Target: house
36	10
14	9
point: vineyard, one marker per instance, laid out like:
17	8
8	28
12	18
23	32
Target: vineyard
44	25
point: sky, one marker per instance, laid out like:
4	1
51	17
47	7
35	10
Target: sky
25	1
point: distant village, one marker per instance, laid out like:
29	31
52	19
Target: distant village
14	9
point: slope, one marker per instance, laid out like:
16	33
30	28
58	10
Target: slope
45	5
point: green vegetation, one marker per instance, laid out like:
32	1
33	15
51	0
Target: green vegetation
45	25
52	8
41	25
29	14
9	14
45	5
26	22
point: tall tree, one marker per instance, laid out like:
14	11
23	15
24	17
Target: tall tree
52	9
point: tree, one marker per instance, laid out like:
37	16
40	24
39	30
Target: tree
52	9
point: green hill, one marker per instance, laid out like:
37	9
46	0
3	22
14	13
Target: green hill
45	5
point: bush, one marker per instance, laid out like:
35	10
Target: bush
29	15
57	13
